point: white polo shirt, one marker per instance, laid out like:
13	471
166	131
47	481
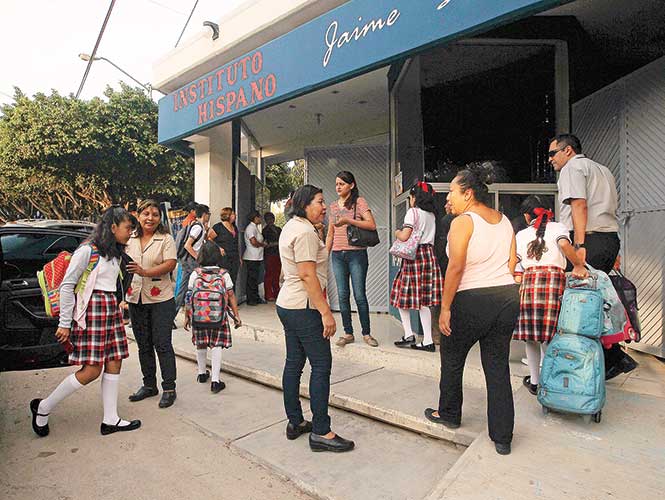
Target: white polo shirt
252	252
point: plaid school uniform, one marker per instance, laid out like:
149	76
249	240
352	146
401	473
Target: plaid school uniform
419	282
104	338
212	337
540	293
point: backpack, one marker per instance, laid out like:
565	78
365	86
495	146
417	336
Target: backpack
182	237
582	307
51	276
208	300
627	292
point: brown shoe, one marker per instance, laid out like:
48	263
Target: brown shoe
346	339
370	341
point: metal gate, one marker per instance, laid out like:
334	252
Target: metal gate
623	127
244	205
369	165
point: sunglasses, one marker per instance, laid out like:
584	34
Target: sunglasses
553	153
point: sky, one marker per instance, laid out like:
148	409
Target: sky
40	41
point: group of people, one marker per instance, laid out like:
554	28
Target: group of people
474	286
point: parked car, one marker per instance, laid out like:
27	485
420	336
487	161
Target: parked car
27	335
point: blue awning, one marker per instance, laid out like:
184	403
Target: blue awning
352	39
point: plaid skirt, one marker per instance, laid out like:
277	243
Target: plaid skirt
104	337
419	282
540	301
212	337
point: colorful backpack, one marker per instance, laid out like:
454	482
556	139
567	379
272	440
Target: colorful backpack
208	300
51	276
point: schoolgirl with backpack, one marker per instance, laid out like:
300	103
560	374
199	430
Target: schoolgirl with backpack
209	298
90	320
542	249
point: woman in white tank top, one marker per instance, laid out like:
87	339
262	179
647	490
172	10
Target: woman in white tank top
480	303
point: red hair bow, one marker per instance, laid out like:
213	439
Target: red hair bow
425	187
540	212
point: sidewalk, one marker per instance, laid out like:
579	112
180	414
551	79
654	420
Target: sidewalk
553	455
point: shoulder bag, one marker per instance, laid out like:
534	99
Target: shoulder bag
408	249
359	237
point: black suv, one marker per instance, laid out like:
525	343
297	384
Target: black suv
27	335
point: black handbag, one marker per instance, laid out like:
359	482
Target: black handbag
361	237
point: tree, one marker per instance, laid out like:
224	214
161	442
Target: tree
69	158
282	178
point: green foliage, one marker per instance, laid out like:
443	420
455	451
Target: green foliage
70	158
282	178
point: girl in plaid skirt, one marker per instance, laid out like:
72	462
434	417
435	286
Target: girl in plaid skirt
214	338
542	249
90	323
419	283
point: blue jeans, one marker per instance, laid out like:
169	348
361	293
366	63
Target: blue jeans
303	331
354	264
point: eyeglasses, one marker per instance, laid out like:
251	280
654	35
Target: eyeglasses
553	153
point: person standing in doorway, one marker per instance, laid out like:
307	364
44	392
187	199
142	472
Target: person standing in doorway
419	283
480	304
225	235
307	320
253	257
349	261
151	301
273	265
589	201
194	239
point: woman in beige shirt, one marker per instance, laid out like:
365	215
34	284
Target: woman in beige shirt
151	303
307	320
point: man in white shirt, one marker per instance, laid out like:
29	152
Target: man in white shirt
588	198
253	257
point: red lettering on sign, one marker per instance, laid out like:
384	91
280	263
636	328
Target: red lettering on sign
230	98
192	93
257	90
209	79
231	80
183	99
202	113
257	62
175	102
270	85
243	62
211	109
242	100
202	84
220	106
219	74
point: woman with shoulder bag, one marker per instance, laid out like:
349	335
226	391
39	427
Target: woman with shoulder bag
151	301
418	284
350	209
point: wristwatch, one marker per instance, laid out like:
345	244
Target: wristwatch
577	246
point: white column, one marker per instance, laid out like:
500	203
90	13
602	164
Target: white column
213	177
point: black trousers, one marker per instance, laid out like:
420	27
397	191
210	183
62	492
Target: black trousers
601	253
232	264
253	270
152	330
488	316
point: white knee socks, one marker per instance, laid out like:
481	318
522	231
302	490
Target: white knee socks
216	355
201	360
66	388
533	357
110	399
426	321
405	314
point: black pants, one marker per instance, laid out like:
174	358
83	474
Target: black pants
152	330
232	264
303	331
253	270
488	316
601	253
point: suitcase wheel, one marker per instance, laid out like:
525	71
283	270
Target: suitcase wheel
597	417
586	418
546	410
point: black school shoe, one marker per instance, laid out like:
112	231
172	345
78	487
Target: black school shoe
202	378
215	387
502	448
625	365
337	444
142	393
295	431
168	398
406	342
533	388
107	429
421	347
429	414
40	430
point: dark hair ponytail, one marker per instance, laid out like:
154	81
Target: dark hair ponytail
477	176
349	178
102	236
541	214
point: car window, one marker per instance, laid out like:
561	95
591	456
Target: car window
23	254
